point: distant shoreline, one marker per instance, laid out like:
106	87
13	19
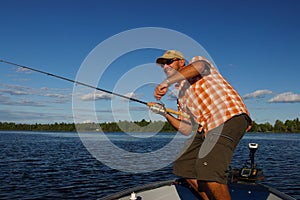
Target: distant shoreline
289	126
45	131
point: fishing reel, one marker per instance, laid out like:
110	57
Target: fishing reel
249	173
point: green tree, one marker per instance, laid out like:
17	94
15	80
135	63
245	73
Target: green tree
279	126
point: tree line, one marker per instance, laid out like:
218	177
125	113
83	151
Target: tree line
289	126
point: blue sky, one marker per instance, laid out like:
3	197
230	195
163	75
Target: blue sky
254	44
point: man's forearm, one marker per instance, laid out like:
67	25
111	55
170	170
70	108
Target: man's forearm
182	126
190	71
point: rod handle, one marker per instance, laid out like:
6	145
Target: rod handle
169	110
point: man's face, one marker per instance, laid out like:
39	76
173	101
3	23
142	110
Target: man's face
171	67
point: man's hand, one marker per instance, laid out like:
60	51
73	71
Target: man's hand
161	90
157	108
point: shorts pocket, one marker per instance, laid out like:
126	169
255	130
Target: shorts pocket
222	139
226	140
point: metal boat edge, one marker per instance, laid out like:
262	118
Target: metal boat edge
180	190
242	184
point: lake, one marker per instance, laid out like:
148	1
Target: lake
52	165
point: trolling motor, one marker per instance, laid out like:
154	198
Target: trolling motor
252	147
249	173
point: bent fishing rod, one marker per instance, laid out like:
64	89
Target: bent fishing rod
93	87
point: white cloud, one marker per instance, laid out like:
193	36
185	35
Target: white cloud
22	69
96	96
15	90
30	116
61	96
257	94
287	97
19	102
26	102
132	95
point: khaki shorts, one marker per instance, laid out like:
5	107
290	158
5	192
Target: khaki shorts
206	158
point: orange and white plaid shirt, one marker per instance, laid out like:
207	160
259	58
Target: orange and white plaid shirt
210	99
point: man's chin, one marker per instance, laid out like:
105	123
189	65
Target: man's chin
169	73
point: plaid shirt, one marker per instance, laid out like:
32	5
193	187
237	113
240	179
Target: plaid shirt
210	99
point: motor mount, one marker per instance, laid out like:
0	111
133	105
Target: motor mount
249	173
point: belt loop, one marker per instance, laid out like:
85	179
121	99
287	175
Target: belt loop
201	132
200	129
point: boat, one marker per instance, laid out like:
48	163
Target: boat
243	184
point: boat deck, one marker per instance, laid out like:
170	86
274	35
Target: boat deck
180	190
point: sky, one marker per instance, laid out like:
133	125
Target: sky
254	44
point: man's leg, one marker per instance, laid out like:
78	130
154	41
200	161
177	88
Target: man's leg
194	184
215	156
214	190
210	190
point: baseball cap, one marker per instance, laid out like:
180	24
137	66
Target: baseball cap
168	55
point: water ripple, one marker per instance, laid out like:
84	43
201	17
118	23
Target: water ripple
57	165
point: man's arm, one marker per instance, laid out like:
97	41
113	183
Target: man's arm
184	126
181	124
192	70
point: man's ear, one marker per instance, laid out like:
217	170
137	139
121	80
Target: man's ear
182	62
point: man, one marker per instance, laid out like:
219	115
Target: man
217	108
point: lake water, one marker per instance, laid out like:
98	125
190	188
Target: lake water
39	165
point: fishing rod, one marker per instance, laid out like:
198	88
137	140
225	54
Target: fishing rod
93	87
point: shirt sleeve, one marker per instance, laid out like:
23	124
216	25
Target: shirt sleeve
206	71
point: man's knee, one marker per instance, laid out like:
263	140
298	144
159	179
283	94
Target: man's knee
203	187
213	190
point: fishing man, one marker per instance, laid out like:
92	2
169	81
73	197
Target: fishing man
220	113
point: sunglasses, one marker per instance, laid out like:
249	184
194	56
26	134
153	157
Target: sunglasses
169	61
